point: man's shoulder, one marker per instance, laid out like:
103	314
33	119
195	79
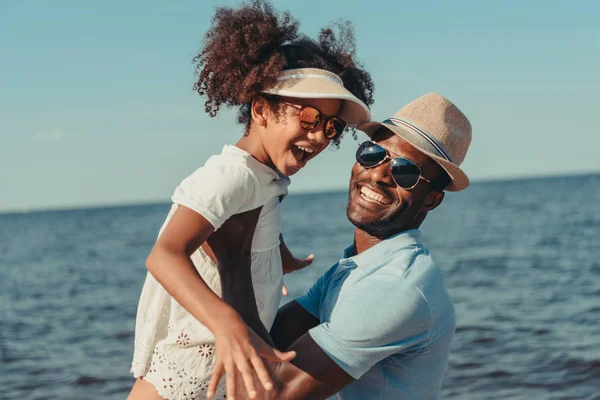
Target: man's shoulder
428	279
412	278
386	294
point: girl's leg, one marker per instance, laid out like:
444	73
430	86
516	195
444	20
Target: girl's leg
143	390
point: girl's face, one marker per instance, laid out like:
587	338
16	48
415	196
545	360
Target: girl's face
287	143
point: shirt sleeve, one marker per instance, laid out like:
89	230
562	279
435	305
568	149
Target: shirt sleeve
372	323
311	300
217	191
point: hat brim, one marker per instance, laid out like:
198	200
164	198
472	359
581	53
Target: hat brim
458	179
353	111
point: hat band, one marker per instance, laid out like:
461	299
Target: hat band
402	123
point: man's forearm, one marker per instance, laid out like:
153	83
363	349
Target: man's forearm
291	323
312	375
287	384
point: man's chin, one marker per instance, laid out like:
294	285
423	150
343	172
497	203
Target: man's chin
374	227
375	224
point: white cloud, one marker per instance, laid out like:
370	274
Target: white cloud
50	136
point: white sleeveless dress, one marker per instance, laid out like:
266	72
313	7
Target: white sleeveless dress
174	351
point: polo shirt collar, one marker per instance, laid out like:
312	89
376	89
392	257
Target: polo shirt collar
386	248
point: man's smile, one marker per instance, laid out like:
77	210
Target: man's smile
372	194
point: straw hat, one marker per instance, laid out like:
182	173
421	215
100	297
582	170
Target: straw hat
314	83
435	126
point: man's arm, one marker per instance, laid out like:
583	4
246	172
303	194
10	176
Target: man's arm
359	334
311	375
291	323
298	316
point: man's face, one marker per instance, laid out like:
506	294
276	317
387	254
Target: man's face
377	205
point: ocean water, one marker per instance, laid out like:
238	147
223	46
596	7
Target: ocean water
521	261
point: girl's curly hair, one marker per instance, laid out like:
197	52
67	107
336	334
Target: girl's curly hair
246	48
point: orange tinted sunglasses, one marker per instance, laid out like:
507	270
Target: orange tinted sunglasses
310	118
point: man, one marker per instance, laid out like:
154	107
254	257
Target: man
379	323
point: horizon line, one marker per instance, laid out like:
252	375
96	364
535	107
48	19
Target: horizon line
150	202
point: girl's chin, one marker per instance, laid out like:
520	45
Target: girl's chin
290	170
291	167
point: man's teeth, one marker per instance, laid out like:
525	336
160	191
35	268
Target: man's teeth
306	149
371	195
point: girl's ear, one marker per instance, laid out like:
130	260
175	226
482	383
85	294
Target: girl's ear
259	110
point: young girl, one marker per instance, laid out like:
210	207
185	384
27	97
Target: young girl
295	97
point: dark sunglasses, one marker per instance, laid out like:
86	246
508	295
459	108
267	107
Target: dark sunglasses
405	172
310	118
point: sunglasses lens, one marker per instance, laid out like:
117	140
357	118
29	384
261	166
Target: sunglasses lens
309	118
334	127
405	172
370	154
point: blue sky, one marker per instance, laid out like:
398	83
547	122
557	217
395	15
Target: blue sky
96	105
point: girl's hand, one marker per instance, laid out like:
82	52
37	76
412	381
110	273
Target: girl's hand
292	264
238	348
289	262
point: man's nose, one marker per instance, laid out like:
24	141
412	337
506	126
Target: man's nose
381	174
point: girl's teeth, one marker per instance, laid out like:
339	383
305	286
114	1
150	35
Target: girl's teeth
304	149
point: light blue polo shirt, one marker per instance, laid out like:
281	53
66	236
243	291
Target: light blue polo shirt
386	319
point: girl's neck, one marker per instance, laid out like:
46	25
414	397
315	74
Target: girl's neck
252	144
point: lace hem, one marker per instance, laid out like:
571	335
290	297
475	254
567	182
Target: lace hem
169	390
179	373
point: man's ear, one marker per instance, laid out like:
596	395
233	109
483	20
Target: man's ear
433	200
259	110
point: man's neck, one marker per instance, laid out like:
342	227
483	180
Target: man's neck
363	241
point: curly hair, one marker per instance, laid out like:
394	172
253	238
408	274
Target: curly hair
246	48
